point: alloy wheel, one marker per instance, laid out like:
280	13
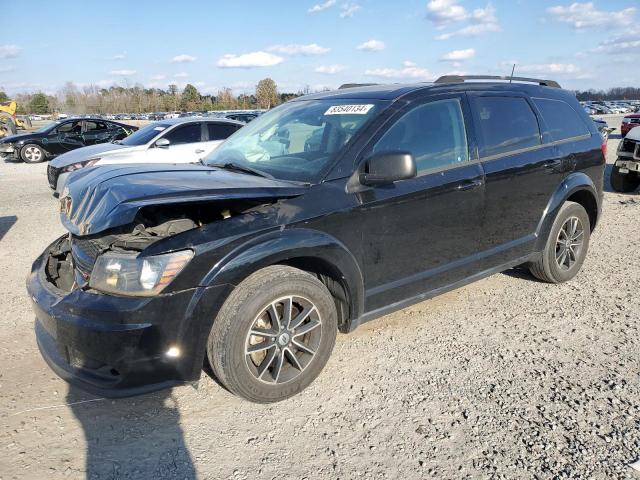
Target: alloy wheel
283	339
569	243
33	154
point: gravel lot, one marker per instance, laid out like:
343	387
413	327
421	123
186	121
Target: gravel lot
505	378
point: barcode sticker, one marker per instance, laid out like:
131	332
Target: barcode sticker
349	109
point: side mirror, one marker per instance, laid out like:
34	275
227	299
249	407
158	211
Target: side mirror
388	167
162	143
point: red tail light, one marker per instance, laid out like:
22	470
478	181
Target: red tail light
603	147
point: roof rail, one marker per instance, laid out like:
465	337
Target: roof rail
354	85
463	78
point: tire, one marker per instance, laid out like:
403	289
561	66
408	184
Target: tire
549	268
32	153
623	182
255	375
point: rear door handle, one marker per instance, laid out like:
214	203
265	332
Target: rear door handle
199	151
469	184
555	163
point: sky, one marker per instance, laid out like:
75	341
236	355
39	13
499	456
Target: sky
315	43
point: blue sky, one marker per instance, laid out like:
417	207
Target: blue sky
321	43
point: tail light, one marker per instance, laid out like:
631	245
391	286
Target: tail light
603	147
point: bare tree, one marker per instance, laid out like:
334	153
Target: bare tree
267	93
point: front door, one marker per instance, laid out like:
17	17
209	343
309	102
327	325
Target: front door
65	137
422	234
185	145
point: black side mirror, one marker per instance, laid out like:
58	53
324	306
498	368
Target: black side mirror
388	167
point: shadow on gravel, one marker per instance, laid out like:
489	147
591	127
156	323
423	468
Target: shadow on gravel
139	437
521	273
6	223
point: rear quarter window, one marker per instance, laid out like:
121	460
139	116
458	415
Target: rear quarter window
504	124
562	120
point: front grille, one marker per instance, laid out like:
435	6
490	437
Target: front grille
84	253
52	175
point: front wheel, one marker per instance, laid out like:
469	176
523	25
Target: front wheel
32	153
273	335
566	246
624	182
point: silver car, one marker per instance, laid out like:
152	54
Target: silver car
176	140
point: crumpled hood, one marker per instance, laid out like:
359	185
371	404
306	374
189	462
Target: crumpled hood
92	151
97	199
634	134
19	137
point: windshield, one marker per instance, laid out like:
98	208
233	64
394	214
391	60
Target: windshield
46	127
144	135
297	140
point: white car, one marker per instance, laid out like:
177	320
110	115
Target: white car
178	140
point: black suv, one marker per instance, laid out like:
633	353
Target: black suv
326	212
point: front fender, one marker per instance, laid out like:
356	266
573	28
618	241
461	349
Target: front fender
575	182
290	244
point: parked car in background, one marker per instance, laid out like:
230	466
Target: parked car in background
254	260
629	122
625	174
62	136
180	140
241	116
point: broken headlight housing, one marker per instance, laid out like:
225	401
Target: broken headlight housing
124	274
77	166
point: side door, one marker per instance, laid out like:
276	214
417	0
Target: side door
216	133
65	137
422	233
95	131
184	141
522	167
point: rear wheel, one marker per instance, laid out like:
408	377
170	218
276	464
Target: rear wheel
32	153
566	246
624	182
273	335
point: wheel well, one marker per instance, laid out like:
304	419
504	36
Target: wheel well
333	280
589	203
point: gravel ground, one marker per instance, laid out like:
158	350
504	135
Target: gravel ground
505	378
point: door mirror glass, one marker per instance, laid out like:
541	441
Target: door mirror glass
162	143
387	167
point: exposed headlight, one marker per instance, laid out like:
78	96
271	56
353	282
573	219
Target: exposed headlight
137	276
6	148
626	120
77	166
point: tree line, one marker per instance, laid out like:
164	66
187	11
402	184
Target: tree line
617	93
74	99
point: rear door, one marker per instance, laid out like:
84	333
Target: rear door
185	145
523	168
216	133
422	233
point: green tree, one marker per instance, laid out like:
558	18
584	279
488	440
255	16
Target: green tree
267	93
190	98
39	104
3	97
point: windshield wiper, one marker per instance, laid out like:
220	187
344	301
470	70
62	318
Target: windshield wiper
240	168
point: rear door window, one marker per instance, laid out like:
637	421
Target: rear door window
504	124
220	131
434	133
190	133
562	120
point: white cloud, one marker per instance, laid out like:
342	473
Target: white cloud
249	60
443	12
181	75
322	6
371	45
119	56
585	15
329	69
459	55
160	76
184	58
409	70
8	69
483	20
549	68
347	10
619	45
122	73
296	49
9	51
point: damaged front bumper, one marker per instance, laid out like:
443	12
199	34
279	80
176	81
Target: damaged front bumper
121	346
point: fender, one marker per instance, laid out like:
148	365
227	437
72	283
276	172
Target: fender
573	183
288	244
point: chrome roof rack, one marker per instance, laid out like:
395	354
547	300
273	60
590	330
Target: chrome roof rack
463	78
354	85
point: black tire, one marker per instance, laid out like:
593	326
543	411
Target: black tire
247	306
548	268
623	182
32	153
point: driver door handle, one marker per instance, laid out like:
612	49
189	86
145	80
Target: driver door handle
469	184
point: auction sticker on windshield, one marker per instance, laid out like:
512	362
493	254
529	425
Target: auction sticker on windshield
349	109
